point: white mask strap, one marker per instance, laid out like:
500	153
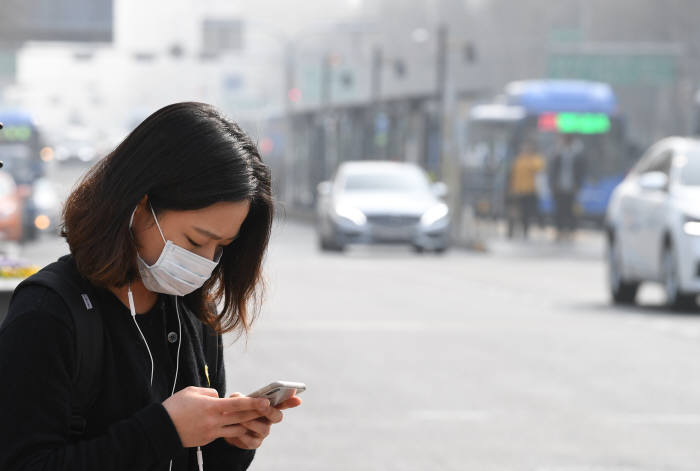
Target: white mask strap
131	219
156	220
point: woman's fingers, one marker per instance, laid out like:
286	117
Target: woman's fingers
238	404
290	403
274	415
238	417
259	428
233	431
249	441
205	391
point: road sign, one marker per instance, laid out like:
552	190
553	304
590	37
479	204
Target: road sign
614	68
56	20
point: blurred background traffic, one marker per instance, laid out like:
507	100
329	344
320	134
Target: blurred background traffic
487	252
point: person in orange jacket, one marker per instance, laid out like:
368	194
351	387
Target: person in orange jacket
523	187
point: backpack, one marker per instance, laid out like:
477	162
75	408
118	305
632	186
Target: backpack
76	291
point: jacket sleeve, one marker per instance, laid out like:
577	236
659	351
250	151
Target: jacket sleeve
219	455
37	354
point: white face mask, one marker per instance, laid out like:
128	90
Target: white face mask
177	270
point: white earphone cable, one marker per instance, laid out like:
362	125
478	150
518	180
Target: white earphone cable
179	342
132	308
177	360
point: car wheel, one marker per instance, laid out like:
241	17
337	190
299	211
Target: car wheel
621	290
323	244
326	246
330	244
675	298
336	246
418	249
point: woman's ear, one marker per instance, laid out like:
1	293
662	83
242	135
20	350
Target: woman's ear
143	203
139	212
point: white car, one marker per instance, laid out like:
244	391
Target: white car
371	202
653	224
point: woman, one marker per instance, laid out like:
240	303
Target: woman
173	223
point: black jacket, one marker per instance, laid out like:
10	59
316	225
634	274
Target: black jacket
579	171
128	428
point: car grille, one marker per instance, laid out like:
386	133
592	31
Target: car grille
393	220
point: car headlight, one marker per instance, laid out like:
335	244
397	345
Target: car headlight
351	213
42	222
691	226
44	201
434	214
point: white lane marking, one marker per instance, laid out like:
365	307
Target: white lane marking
677	329
690	332
591	468
663	326
449	415
655	419
368	326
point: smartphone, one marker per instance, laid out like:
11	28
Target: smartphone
279	391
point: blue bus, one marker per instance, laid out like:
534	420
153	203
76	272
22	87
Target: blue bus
24	156
540	111
20	146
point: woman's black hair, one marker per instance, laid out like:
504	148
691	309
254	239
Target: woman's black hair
185	156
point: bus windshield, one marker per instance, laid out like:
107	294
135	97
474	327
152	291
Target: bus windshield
20	147
488	143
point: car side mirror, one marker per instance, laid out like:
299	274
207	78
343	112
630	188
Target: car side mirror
439	189
653	181
324	188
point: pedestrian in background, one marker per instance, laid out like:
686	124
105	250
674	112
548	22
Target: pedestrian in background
167	236
523	188
567	171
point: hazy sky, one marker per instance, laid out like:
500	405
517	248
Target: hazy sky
51	80
135	19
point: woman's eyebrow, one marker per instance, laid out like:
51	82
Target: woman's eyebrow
211	235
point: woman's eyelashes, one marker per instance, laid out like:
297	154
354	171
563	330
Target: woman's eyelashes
196	245
193	243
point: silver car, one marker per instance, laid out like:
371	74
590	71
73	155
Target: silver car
377	202
653	225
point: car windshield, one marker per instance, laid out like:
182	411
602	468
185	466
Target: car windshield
689	164
403	180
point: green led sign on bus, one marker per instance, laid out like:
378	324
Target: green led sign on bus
574	123
16	133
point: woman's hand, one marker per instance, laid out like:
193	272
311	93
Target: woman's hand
258	429
200	416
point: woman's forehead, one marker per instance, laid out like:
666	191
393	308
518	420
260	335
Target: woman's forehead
223	219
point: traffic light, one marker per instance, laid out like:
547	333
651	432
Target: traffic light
469	52
347	79
400	68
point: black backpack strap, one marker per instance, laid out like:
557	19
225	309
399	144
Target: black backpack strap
63	278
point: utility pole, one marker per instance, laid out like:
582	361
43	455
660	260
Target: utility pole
327	123
376	82
375	93
288	178
447	169
434	166
326	81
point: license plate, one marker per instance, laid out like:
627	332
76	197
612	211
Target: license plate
384	232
